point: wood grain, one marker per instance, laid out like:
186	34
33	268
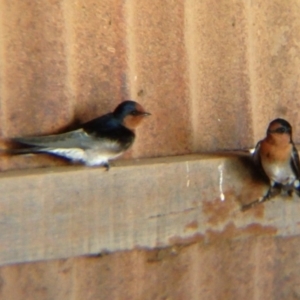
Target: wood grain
69	211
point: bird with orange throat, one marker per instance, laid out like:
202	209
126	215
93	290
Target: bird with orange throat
278	157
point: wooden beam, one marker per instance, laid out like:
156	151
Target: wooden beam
69	211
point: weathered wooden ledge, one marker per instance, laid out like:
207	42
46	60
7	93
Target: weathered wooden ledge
69	211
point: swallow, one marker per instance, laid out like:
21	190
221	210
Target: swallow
276	155
94	143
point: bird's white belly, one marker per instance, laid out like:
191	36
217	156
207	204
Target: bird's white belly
90	157
281	173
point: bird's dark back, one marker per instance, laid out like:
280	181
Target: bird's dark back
108	126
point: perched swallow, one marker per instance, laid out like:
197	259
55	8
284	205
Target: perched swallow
95	142
278	157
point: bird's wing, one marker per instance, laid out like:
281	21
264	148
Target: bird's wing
72	139
104	134
258	164
295	161
78	138
255	155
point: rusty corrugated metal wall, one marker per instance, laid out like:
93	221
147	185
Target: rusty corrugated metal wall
216	71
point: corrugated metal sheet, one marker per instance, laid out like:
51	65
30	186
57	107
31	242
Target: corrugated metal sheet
212	73
216	71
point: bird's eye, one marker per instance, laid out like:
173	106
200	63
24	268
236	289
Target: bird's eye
281	130
134	113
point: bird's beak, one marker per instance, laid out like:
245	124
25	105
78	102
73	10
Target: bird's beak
146	114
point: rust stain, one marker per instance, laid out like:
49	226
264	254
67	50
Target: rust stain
219	211
257	210
254	183
192	226
178	240
157	255
248	194
230	231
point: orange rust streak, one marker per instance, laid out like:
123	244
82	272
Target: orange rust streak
192	226
229	232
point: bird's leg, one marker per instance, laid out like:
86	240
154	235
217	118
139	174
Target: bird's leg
297	186
106	166
272	192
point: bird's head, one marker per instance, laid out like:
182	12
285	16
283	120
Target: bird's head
280	129
130	113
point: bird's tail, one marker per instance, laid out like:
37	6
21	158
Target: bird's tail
9	147
19	151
